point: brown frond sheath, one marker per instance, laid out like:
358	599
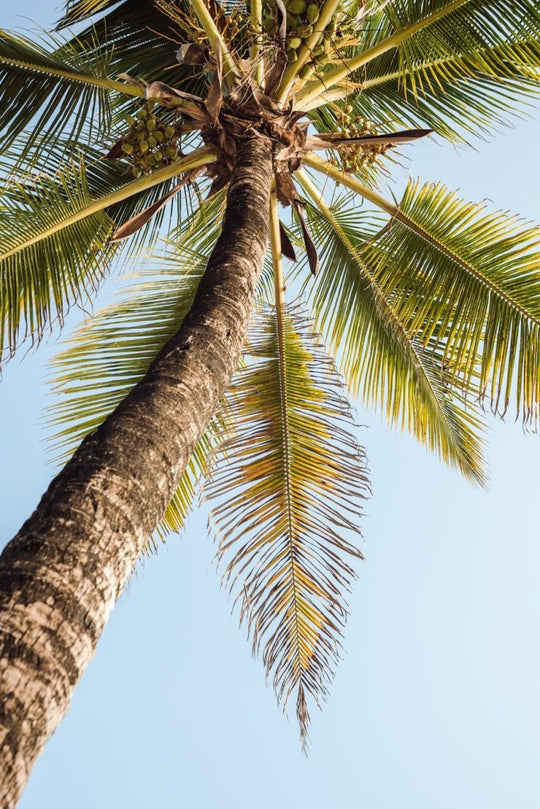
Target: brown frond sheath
136	222
115	152
191	54
311	250
287	248
332	140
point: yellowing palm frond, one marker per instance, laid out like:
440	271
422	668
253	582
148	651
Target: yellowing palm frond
102	177
287	494
109	355
54	245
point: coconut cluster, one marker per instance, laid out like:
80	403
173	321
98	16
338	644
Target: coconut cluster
302	18
356	156
149	143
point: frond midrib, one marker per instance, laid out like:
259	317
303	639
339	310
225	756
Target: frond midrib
81	78
393	41
199	157
284	412
394	211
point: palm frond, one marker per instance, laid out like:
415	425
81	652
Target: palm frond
112	352
54	244
468	281
469	103
103	178
54	87
388	367
463	39
142	40
78	10
287	493
49	258
437	47
460	93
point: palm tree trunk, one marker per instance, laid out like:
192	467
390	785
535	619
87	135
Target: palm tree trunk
62	573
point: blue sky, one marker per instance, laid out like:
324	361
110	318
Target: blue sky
436	703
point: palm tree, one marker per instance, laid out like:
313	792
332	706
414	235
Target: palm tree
428	308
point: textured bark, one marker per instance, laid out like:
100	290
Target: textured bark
62	573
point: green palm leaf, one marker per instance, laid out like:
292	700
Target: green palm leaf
461	102
55	244
140	38
111	353
467	281
103	178
78	10
89	381
384	364
287	494
49	258
464	38
457	47
55	90
479	77
469	87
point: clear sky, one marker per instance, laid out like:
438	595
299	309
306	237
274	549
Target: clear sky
436	704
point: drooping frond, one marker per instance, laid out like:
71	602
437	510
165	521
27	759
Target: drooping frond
384	364
103	178
467	281
49	258
108	355
287	495
53	87
54	244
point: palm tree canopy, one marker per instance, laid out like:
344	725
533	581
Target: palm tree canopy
125	134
